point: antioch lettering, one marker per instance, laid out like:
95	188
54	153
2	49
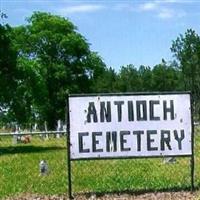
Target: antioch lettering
139	110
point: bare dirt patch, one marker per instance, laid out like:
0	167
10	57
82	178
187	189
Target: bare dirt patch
150	196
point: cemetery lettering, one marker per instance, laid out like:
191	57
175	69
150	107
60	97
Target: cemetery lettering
163	143
120	126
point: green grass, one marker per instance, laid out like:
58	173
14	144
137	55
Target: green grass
19	171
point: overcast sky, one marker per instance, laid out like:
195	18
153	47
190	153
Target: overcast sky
122	32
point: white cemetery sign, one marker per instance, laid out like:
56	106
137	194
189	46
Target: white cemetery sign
130	125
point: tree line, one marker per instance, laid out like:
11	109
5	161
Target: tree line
46	59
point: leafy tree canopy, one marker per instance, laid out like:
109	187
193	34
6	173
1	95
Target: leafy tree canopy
55	59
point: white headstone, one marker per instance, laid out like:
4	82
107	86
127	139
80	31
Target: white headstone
45	128
58	128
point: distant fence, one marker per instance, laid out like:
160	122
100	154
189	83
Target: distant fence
32	133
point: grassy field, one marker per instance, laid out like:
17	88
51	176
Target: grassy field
19	171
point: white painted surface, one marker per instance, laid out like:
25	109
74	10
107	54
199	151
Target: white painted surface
78	107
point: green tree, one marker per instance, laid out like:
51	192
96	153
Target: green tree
96	71
56	54
146	77
30	93
186	50
166	77
8	71
129	79
106	82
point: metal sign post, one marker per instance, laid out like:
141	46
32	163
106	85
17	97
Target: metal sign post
68	150
192	144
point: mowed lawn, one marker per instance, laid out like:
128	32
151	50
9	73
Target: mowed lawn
19	170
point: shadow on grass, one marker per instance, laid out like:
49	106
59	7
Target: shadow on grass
27	149
137	192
